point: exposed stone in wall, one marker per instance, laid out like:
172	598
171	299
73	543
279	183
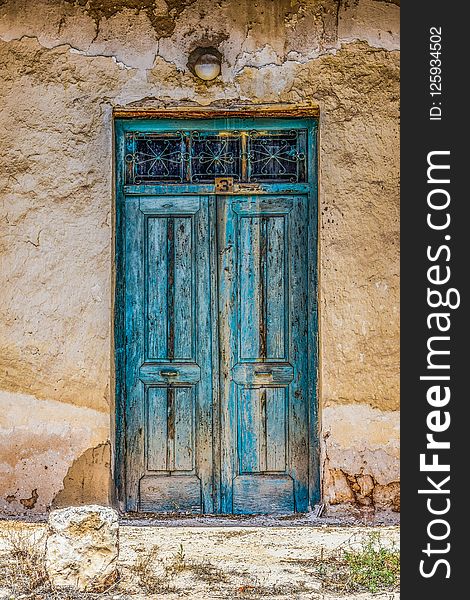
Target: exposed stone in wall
361	457
387	496
359	492
64	65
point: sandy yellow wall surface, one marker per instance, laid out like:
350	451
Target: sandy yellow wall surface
64	65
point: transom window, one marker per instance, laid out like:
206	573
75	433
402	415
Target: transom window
201	156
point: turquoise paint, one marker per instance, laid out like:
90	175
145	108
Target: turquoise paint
216	338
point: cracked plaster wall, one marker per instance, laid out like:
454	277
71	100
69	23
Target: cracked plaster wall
63	66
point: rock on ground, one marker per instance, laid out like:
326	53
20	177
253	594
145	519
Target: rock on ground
82	547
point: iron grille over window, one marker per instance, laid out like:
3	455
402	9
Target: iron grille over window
200	156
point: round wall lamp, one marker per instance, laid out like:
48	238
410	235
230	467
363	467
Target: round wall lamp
205	63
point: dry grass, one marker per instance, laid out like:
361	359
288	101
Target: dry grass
22	569
147	567
157	575
365	565
263	591
208	573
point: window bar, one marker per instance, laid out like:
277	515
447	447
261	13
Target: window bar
244	156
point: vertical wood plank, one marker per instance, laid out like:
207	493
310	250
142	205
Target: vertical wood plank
157	429
248	430
205	331
170	419
275	429
262	428
213	347
276	305
134	309
183	441
313	274
250	285
298	351
262	285
170	292
183	294
227	226
157	286
118	419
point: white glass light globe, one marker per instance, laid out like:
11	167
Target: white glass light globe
207	67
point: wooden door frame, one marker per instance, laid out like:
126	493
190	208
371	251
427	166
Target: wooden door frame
269	111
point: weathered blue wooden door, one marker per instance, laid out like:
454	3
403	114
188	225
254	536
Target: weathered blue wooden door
264	349
216	316
168	353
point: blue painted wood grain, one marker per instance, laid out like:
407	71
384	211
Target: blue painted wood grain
157	429
157	284
277	308
265	494
276	429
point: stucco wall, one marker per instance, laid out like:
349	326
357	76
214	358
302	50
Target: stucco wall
64	64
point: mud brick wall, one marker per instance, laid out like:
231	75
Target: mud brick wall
64	65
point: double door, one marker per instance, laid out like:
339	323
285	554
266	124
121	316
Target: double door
217	368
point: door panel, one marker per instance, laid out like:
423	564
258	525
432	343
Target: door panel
262	276
169	354
169	286
263	336
170	429
262	429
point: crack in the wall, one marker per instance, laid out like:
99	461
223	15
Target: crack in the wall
338	9
270	65
37	243
70	48
305	60
248	58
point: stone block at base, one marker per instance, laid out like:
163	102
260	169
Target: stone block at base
82	548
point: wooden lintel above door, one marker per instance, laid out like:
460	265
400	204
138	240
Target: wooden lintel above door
208	112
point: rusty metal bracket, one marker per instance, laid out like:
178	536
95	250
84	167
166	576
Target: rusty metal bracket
224	185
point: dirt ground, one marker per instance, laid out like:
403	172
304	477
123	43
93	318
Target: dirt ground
194	561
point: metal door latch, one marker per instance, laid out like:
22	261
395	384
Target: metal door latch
264	373
168	373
